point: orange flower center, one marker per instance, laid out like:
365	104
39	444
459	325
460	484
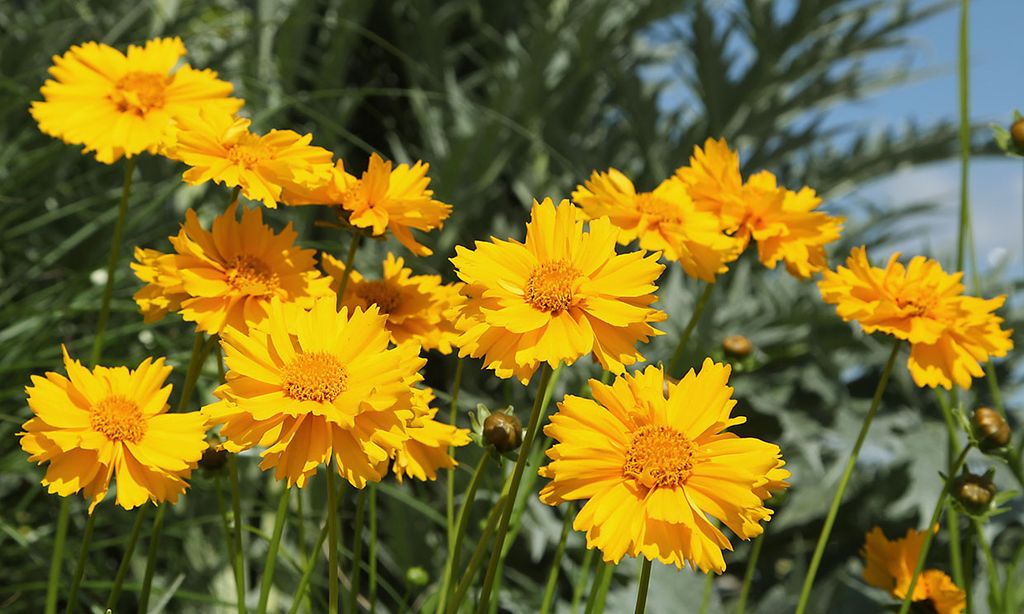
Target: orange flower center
250	276
381	293
551	285
314	376
140	92
914	306
119	419
659	456
249	151
659	211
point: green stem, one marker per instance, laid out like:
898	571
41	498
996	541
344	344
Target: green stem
645	580
229	540
332	541
969	574
115	256
556	563
275	544
952	516
929	533
992	571
200	351
965	138
357	551
677	356
581	581
748	575
477	557
57	559
236	511
455	545
126	559
599	590
307	572
837	499
450	485
517	476
154	547
83	555
709	585
372	590
347	273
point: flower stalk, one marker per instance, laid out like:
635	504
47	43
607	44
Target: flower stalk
691	325
275	544
645	580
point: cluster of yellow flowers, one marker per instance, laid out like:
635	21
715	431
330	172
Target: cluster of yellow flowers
313	377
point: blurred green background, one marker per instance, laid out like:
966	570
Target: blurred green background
507	102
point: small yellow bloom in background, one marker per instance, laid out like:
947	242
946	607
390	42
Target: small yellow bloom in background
562	294
219	147
419	308
383	198
307	385
949	333
664	220
118	104
889	565
426	450
106	423
653	459
785	224
226	276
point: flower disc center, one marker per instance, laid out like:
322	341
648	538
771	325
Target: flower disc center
659	456
249	151
659	211
250	276
140	92
119	419
314	376
381	293
550	287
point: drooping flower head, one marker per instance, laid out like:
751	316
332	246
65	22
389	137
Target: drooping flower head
219	147
383	198
106	423
889	565
419	308
226	276
118	104
309	385
664	220
785	224
949	333
426	450
562	294
653	460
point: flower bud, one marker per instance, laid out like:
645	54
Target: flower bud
990	428
974	492
1017	133
503	431
737	346
214	456
417	576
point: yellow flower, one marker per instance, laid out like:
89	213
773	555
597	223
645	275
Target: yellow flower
226	277
220	147
426	450
889	565
785	224
307	385
653	460
112	422
121	105
949	333
663	220
382	199
419	308
562	294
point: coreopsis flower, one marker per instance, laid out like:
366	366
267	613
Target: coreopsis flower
226	276
309	385
426	450
562	294
219	147
419	308
382	199
94	425
653	460
786	225
949	333
663	220
889	565
118	104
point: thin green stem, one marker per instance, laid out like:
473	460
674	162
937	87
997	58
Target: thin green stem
969	573
517	476
332	541
372	590
478	555
357	551
347	273
236	511
455	545
556	563
126	559
952	516
837	498
599	590
275	544
581	581
57	559
992	571
748	575
709	586
965	138
229	540
645	580
450	482
929	533
684	337
83	556
115	256
154	547
307	572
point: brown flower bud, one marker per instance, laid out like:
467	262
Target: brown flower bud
503	431
1017	133
737	346
214	456
974	492
990	428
